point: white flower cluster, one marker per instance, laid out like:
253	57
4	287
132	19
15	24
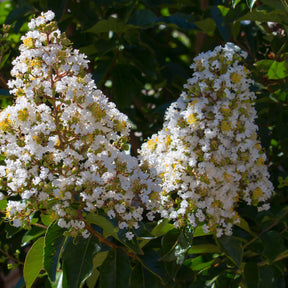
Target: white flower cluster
65	144
207	153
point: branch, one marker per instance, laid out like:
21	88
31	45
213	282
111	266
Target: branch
3	81
11	257
104	240
265	230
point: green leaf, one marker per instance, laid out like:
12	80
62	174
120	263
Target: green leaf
232	247
181	20
264	16
251	274
169	242
207	25
11	231
268	277
111	24
235	2
3	204
46	219
250	3
218	14
97	262
137	277
92	280
143	18
78	261
17	14
33	262
58	280
144	60
54	243
278	70
5	9
162	228
275	4
35	232
273	244
101	221
126	84
115	271
244	225
263	65
175	245
3	60
199	232
102	70
99	258
204	248
132	244
199	264
151	261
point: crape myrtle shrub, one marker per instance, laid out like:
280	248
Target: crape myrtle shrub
168	38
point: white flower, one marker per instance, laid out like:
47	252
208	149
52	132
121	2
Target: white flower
208	154
49	15
129	235
63	139
17	223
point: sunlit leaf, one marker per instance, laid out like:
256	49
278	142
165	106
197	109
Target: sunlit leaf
278	70
58	280
162	228
199	264
204	248
251	3
101	221
3	204
33	262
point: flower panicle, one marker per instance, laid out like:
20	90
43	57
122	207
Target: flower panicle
65	144
208	154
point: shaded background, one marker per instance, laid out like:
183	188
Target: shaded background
140	53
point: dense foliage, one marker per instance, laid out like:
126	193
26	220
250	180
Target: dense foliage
140	53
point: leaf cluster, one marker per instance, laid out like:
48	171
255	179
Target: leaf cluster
140	52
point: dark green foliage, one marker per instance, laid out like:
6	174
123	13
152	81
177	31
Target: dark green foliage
140	53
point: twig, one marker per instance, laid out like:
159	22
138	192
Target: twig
11	257
104	240
3	81
265	230
40	225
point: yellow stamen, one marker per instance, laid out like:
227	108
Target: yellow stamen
257	193
226	126
235	77
191	119
28	42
